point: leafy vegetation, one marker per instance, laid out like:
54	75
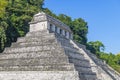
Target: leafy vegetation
3	4
97	48
14	18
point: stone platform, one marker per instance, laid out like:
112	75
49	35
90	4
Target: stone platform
38	75
42	56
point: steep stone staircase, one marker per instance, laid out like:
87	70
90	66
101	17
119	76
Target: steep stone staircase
82	65
40	52
44	56
35	52
102	70
87	62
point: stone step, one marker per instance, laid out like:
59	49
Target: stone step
78	62
87	76
62	40
72	50
35	43
33	61
36	38
51	67
61	37
87	73
84	60
66	43
38	33
39	75
32	54
83	69
33	48
74	55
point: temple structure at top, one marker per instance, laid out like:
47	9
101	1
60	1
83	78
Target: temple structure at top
42	21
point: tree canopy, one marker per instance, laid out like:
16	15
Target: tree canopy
3	4
14	18
95	47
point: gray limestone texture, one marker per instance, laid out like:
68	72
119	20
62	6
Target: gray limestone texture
49	53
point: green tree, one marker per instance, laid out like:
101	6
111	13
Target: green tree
2	38
117	59
47	11
3	4
20	13
78	26
80	30
95	47
15	21
65	19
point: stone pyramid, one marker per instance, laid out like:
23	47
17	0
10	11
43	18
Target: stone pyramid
47	52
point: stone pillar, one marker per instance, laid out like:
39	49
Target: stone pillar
63	32
53	28
48	26
71	36
58	30
67	36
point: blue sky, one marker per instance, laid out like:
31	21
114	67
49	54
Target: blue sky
103	17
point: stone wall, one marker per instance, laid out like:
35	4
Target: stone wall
42	21
39	75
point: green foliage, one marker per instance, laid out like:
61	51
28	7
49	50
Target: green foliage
3	4
117	59
111	59
80	30
95	47
116	67
65	19
2	38
20	12
46	10
14	18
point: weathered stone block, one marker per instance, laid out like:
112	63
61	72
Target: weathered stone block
39	75
41	67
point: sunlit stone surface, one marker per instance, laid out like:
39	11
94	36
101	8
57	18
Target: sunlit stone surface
48	52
